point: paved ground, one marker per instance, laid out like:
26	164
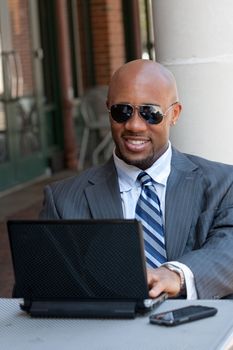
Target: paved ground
21	204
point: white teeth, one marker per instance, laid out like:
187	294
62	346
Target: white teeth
136	142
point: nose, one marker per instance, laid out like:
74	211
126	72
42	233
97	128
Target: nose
136	123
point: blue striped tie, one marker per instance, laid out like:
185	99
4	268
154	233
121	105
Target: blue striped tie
148	211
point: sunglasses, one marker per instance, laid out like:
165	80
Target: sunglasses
152	114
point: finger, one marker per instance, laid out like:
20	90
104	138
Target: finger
156	290
151	276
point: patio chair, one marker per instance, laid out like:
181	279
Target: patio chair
96	120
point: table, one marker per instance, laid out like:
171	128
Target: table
20	331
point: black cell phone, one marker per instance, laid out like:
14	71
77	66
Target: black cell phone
182	315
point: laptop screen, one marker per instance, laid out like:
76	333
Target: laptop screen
78	259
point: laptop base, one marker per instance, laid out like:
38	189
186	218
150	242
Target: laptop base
78	309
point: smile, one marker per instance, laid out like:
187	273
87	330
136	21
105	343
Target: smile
137	142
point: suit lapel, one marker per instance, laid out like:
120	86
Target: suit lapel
180	203
103	194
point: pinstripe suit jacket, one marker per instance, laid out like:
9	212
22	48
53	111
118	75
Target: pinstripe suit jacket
199	214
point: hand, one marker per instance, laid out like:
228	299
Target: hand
163	280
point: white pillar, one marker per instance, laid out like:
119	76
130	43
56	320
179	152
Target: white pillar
194	39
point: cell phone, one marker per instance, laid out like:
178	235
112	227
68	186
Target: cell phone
182	315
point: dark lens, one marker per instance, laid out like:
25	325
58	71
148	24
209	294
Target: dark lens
151	114
121	112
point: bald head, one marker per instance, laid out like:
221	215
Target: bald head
144	73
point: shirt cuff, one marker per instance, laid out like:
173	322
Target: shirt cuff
189	280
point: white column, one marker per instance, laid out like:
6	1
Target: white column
194	39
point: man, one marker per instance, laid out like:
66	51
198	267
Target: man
195	196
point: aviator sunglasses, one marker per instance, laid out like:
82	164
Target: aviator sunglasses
152	114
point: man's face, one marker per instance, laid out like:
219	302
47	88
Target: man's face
138	142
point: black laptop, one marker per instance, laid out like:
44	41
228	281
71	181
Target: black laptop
80	268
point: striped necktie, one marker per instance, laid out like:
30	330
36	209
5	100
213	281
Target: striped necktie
148	211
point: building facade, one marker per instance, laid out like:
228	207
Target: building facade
51	52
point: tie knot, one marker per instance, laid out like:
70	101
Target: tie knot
145	179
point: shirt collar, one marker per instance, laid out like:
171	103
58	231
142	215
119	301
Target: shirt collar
159	171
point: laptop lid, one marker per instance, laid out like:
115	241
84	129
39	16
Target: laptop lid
78	260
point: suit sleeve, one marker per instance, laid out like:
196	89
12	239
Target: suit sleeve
212	262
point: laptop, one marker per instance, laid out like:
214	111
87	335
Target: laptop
80	268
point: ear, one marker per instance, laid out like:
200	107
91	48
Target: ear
176	110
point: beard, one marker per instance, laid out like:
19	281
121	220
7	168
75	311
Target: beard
139	163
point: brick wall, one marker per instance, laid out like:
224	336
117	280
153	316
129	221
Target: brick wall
19	14
108	38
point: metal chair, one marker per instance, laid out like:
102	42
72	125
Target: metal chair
95	117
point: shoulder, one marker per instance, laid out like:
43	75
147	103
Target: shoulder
190	161
70	198
208	166
211	173
87	177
